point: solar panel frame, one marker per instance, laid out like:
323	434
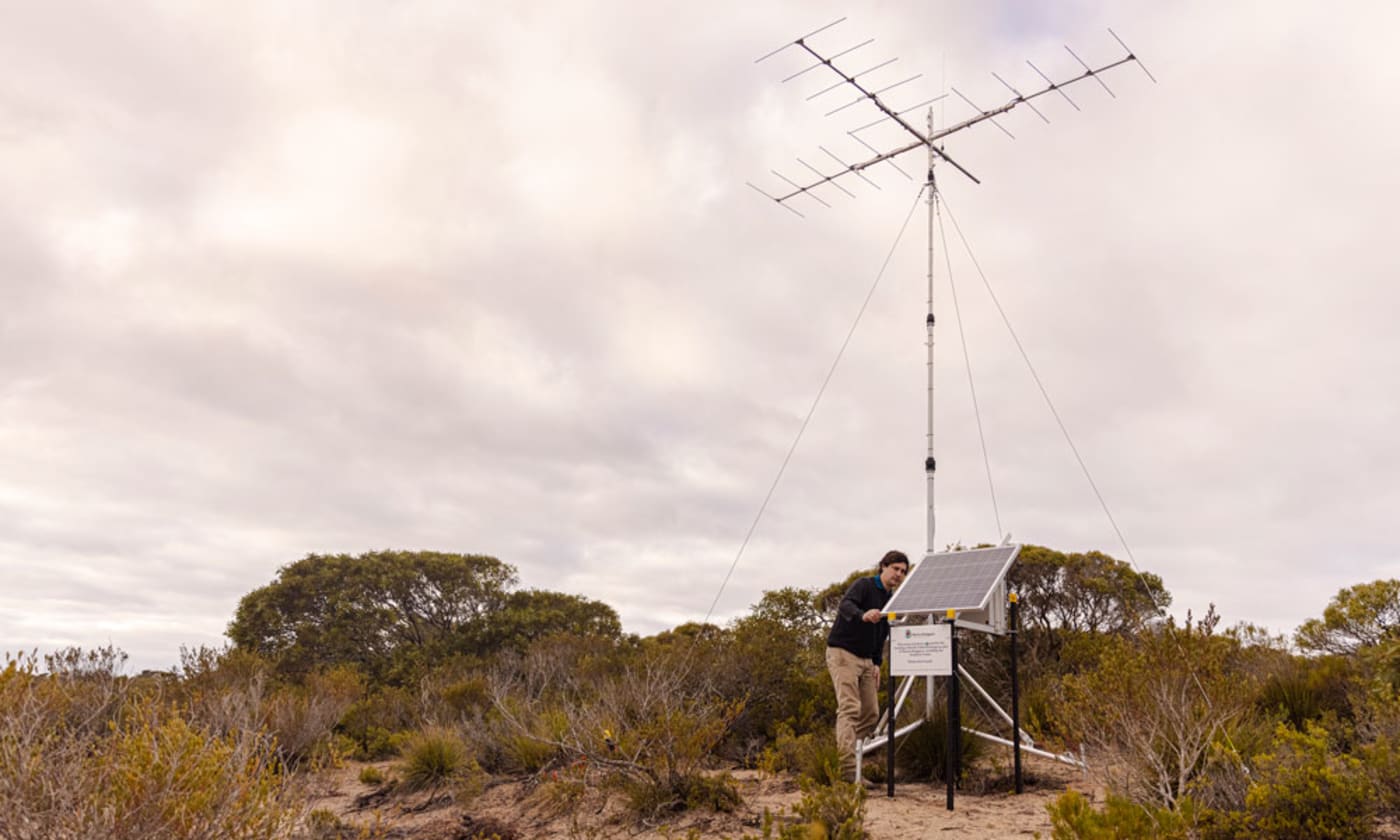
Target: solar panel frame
957	580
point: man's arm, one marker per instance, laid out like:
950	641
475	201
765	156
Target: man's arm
850	607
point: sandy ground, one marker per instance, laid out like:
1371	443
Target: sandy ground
514	809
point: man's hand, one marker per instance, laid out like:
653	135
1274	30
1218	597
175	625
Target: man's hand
871	616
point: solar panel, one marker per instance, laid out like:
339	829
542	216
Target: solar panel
953	580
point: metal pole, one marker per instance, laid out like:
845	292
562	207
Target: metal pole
950	769
957	706
929	463
1015	695
889	745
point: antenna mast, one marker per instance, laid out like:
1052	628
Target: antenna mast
911	139
929	464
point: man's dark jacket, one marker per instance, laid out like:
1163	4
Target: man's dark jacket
862	638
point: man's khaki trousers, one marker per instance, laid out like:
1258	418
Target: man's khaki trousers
857	683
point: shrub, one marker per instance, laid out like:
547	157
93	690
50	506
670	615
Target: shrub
1149	713
323	824
560	796
717	793
531	754
838	808
1073	818
652	797
1379	726
484	828
180	782
775	659
652	720
380	722
922	755
230	690
222	690
302	716
375	744
81	755
524	735
1304	690
371	775
453	698
825	812
1304	793
435	758
810	755
1381	760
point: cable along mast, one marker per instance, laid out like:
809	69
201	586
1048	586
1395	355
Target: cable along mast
940	585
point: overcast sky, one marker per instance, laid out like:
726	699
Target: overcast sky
289	278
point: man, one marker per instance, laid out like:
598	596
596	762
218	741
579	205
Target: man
855	647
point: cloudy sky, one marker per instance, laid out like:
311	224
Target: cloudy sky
284	278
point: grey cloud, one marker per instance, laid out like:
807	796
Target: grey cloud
490	280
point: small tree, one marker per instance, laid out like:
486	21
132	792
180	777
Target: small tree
1064	596
1158	700
1358	617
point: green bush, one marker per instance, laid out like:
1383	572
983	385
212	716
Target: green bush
227	691
1303	792
323	824
811	755
1380	728
922	755
1381	760
717	793
463	698
523	737
1304	690
650	797
1149	714
380	723
838	808
371	775
528	754
375	744
84	755
825	812
559	796
302	716
177	780
1072	817
435	757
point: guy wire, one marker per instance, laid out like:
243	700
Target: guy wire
1082	466
815	401
967	359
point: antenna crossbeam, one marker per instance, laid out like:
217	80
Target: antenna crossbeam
865	94
927	140
890	113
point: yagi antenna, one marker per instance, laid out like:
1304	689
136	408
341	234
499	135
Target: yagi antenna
867	91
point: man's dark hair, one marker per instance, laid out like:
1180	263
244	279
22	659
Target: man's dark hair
892	557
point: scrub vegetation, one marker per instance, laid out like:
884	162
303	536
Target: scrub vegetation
450	678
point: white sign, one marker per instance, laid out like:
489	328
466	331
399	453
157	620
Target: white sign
921	650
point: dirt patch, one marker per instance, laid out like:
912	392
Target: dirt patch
582	807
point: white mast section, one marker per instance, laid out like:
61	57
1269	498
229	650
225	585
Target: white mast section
929	463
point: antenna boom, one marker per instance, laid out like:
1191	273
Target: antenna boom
922	140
